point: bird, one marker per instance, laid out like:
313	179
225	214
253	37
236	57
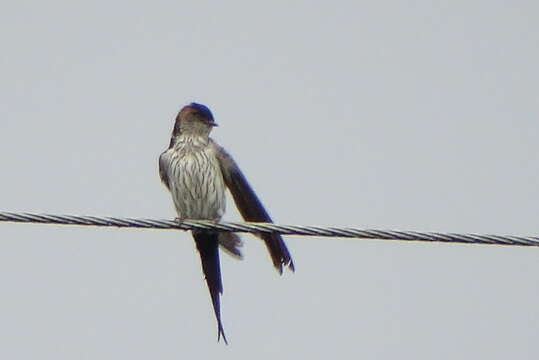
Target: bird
197	171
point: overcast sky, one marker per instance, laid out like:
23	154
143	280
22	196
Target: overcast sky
410	115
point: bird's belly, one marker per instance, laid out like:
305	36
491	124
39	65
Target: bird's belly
198	190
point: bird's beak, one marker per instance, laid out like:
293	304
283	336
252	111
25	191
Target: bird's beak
214	124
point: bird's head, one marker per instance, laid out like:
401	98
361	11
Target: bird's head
194	119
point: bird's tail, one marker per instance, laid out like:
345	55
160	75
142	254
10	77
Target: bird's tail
207	245
231	243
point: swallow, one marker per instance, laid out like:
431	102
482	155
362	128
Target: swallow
197	172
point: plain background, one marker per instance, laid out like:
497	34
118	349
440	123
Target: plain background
410	115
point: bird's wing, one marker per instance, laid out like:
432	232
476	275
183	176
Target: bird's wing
164	165
251	208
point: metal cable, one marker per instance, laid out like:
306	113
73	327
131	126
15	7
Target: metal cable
250	227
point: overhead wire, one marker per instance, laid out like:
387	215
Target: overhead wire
251	227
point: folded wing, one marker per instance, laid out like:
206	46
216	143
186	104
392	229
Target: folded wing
252	209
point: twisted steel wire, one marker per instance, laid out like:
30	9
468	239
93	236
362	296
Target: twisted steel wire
250	227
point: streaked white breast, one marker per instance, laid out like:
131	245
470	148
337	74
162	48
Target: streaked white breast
196	181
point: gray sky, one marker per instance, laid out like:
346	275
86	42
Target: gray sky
412	115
